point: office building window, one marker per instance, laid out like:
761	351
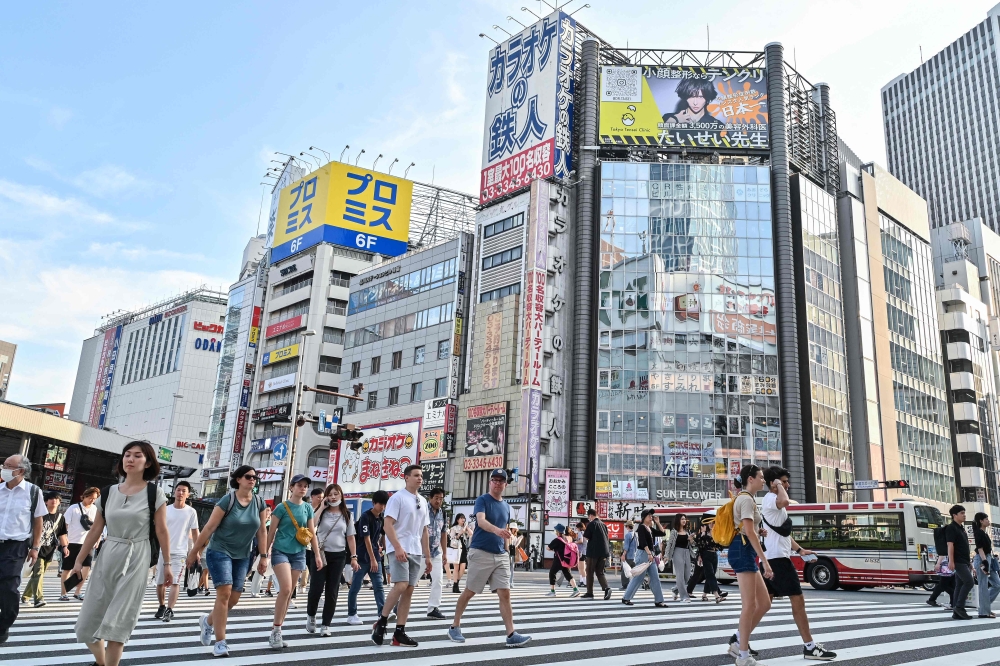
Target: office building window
355	369
418	355
330	364
394	396
376	365
416	394
441	387
443	349
501	258
397	360
334	335
372	399
503	225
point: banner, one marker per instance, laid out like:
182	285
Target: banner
344	205
284	326
109	376
386	450
275	383
102	370
557	492
485	436
491	357
529	107
317	474
291	351
698	107
434	475
431	444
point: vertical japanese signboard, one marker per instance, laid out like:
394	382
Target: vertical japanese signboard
105	376
529	107
491	357
698	107
557	493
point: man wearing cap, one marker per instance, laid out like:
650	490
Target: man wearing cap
488	559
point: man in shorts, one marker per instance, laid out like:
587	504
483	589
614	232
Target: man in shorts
779	549
406	521
182	526
488	559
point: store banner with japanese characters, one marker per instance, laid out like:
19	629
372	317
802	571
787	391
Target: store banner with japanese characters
485	436
491	356
557	492
344	205
698	107
529	107
386	450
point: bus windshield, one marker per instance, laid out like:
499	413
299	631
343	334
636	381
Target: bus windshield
928	516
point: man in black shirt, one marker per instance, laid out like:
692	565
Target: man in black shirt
960	560
369	533
47	548
598	550
944	584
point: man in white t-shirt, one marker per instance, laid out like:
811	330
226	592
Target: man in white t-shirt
182	526
406	521
71	534
779	549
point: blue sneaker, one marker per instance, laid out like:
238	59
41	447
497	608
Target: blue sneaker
455	634
206	630
517	640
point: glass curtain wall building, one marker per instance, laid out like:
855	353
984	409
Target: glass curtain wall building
687	350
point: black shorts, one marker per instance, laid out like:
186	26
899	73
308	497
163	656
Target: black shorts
786	579
70	561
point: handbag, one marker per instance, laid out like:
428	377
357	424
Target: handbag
85	522
303	535
626	569
521	555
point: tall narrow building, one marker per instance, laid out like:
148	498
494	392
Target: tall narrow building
940	123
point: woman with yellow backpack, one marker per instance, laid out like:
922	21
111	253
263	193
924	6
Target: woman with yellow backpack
737	526
292	531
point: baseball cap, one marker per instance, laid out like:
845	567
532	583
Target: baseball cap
297	478
499	471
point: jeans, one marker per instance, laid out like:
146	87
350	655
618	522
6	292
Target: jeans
224	570
595	567
12	556
437	574
989	584
326	580
963	585
34	588
654	579
682	569
352	595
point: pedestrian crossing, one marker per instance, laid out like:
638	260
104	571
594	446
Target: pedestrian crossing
565	632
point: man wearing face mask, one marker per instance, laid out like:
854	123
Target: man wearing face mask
21	513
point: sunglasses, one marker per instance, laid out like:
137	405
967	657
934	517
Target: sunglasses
250	477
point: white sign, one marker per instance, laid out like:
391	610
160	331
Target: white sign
270	473
386	450
317	474
275	383
434	412
866	484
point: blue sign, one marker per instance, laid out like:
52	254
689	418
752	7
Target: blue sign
269	444
279	449
109	376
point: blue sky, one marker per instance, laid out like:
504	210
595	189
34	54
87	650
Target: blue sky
134	136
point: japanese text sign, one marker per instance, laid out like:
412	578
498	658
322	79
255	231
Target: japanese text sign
529	107
344	205
491	356
485	436
557	492
386	450
674	106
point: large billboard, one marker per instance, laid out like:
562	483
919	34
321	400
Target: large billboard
344	205
290	172
696	107
105	376
386	450
529	107
485	436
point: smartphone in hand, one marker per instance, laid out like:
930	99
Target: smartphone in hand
809	558
72	581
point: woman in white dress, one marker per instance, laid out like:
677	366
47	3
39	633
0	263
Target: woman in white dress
111	608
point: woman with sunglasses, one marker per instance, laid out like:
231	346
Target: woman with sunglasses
236	519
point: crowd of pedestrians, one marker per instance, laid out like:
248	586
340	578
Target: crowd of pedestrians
401	538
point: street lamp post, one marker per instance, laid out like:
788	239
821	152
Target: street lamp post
170	427
294	415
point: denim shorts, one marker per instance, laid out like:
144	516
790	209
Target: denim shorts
224	570
742	557
296	560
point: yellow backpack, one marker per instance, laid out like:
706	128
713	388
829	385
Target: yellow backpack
724	526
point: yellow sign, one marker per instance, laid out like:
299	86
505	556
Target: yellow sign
291	351
344	205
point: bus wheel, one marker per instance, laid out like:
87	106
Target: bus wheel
929	586
851	588
822	575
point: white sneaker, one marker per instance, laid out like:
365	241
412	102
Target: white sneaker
354	619
749	661
550	593
275	640
325	630
220	649
687	601
676	594
206	631
311	624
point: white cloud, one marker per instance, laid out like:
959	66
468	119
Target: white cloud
59	116
138	252
109	179
39	202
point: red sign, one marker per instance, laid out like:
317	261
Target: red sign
517	171
284	326
616	530
208	328
241	427
450	418
479	463
191	445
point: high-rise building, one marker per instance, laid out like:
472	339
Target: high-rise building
899	416
150	373
940	123
7	352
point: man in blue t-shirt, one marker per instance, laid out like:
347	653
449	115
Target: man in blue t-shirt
488	559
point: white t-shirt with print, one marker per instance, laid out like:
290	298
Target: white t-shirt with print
775	545
410	513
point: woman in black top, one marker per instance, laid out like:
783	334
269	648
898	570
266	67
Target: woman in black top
708	564
647	531
560	562
985	565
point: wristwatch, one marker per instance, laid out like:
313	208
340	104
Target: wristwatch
33	548
798	550
354	557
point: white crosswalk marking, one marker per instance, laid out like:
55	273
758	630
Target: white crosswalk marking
565	632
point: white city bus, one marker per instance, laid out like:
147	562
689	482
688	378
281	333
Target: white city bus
858	544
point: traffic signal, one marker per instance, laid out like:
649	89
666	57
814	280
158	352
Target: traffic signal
897	484
349	434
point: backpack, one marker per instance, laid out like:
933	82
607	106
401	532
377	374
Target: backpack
232	503
724	526
572	554
154	542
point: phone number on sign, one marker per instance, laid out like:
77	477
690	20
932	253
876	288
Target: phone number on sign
517	171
